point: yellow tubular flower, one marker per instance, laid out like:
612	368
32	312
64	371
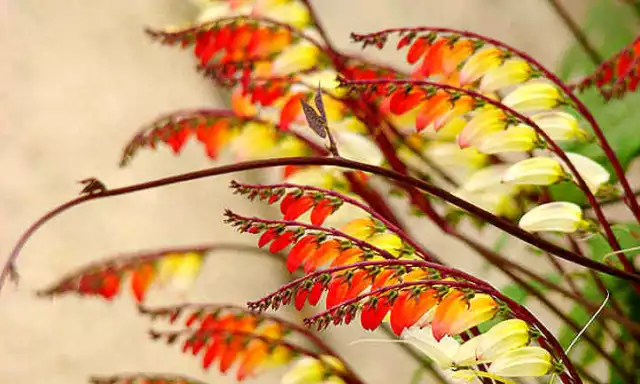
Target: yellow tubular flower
295	58
533	97
315	177
388	242
487	121
519	138
560	126
290	146
503	337
535	171
593	174
451	129
254	141
293	13
522	362
361	229
181	269
512	72
307	370
559	216
479	64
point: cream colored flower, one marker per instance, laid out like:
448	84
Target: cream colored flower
593	174
512	72
559	216
522	362
560	126
295	58
533	97
441	352
519	138
535	171
501	338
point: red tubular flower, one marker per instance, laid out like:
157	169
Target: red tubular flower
299	207
316	293
336	291
177	138
410	307
303	249
267	236
359	282
110	284
141	279
286	202
300	298
432	62
404	41
419	47
401	102
374	312
281	242
321	211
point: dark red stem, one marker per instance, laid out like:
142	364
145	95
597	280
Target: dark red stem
498	222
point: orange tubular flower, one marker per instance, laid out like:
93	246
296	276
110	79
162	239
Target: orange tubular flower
456	313
361	229
304	248
327	251
432	109
141	280
348	256
291	110
216	136
409	307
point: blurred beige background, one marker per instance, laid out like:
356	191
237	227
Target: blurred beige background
78	78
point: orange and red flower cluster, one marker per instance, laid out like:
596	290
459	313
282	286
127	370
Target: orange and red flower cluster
179	269
617	75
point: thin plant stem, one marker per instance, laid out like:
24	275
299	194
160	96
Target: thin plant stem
505	225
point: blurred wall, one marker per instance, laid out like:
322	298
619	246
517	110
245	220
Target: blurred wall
78	78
